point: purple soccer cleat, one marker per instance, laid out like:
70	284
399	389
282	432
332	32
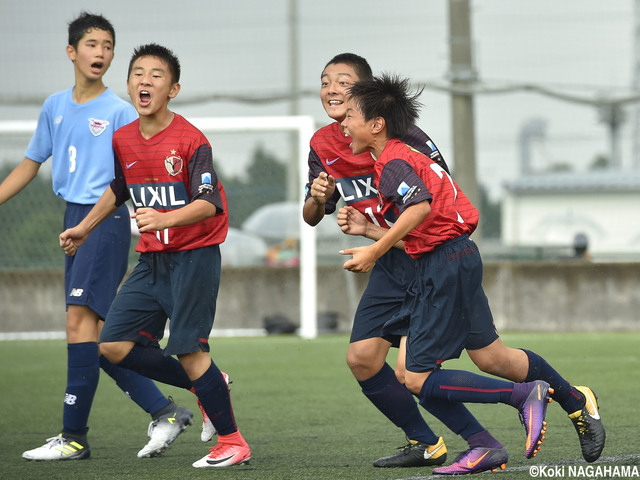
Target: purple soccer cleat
532	414
476	460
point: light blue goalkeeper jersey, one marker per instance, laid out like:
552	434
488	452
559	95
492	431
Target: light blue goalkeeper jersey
78	139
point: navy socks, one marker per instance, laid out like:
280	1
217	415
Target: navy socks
151	362
213	393
83	373
570	399
140	389
455	416
463	386
397	404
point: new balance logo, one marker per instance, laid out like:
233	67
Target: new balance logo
76	292
70	399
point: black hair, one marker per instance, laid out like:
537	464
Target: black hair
85	22
158	51
359	64
388	96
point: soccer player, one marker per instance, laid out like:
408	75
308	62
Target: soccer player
75	129
445	307
336	172
165	166
517	365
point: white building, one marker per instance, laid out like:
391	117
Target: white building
548	210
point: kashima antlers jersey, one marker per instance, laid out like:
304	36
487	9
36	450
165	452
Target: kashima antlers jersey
166	172
354	174
406	177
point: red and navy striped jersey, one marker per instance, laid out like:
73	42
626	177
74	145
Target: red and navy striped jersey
354	174
406	177
166	172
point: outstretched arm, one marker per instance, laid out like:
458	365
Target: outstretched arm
18	179
365	257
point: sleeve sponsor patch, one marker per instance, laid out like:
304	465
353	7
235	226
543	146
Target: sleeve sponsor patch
405	191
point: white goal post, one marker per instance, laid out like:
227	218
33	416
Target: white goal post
303	126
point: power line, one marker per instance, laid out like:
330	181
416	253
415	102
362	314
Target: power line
597	99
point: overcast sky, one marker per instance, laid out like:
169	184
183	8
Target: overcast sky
584	47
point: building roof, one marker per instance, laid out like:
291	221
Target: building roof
595	180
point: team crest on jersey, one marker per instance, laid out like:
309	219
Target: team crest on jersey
173	163
97	126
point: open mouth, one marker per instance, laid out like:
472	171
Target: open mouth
144	98
97	66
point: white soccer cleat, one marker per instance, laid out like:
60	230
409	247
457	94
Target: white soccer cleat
59	448
165	429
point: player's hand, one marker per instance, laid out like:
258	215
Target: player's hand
149	219
322	188
71	239
352	222
362	261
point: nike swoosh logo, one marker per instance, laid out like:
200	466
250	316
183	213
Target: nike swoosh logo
591	407
220	460
129	165
473	464
428	455
331	162
528	444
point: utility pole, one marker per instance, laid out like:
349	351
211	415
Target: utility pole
292	187
462	74
636	86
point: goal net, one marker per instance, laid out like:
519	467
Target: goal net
30	222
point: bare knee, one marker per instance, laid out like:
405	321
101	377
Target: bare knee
367	357
400	374
82	324
115	351
501	361
360	365
415	382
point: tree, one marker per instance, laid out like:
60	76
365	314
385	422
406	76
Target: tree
491	215
30	224
599	162
264	184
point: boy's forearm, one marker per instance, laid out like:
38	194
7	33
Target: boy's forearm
409	219
192	213
105	206
19	178
375	232
312	212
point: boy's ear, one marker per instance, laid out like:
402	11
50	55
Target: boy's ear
378	125
71	53
173	92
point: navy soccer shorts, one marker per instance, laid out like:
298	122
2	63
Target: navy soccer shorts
446	308
93	274
383	296
179	286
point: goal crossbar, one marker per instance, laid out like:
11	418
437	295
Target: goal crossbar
303	126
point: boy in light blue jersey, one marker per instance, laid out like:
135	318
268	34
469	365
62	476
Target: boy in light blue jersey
75	128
